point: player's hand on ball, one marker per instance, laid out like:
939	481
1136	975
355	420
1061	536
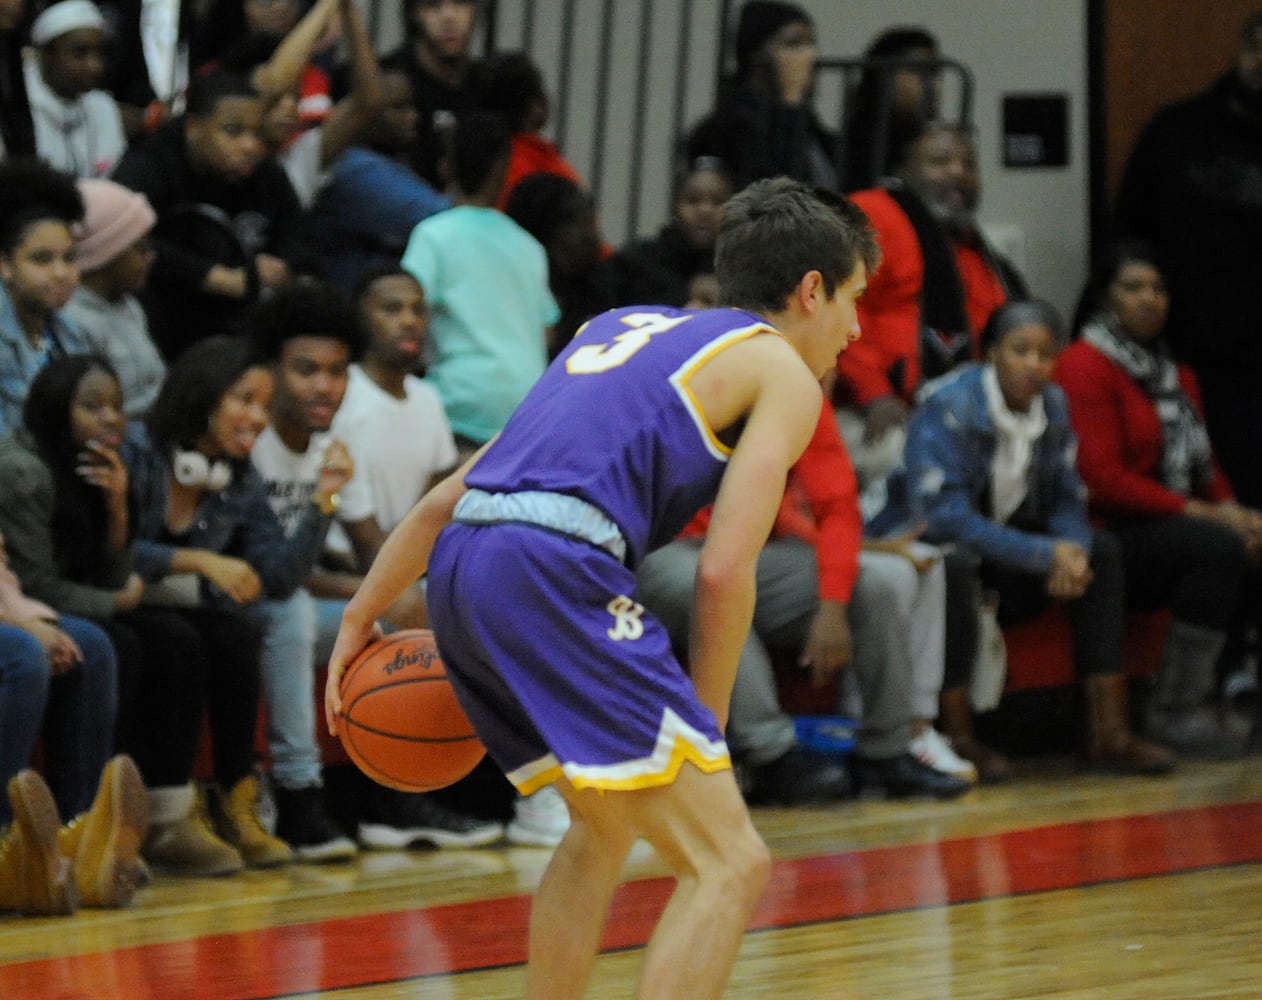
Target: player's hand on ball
351	639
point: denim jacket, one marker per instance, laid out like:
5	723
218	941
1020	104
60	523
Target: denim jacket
236	521
944	480
20	363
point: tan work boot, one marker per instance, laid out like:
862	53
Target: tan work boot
34	876
955	718
236	815
104	842
1111	746
188	845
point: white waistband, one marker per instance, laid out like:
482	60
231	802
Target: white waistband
558	512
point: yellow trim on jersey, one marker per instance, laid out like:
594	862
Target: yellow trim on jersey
684	373
677	743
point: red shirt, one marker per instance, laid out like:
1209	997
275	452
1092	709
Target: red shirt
889	312
1119	436
821	507
533	154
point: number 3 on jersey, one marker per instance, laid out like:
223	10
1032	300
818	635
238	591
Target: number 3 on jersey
592	359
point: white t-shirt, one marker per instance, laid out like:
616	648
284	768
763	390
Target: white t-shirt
398	444
291	479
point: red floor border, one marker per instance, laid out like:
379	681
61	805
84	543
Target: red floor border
390	947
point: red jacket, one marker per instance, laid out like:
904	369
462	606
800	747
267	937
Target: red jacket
1119	436
820	506
889	312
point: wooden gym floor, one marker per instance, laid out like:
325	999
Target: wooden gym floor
1056	885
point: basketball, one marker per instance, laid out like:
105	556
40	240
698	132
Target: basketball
401	723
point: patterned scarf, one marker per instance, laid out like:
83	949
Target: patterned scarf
1186	462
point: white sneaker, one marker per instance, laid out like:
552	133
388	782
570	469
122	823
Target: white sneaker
933	749
539	820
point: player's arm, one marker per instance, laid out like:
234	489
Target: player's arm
782	404
402	560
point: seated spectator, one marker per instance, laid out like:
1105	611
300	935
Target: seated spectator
17	131
228	219
889	105
485	351
312	331
78	127
307	150
829	605
58	679
560	214
989	468
38	274
763	124
511	85
394	425
208	543
371	199
115	256
436	56
660	269
64	503
925	308
1146	458
392	420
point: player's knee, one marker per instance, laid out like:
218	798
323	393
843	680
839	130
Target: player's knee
746	863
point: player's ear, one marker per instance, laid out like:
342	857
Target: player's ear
810	292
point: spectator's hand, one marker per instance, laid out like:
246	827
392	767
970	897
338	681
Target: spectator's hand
882	414
921	557
795	69
62	651
235	577
272	271
1071	571
337	469
828	645
101	466
131	594
230	282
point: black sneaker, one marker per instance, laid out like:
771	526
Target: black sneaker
400	819
305	825
795	778
903	776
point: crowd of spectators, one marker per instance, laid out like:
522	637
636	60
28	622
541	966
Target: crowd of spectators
260	287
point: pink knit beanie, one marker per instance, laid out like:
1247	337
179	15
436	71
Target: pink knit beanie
114	218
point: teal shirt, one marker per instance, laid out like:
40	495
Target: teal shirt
486	285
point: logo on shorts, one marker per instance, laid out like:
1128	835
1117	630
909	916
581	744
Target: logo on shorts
626	618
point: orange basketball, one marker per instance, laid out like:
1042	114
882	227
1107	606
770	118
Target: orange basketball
401	723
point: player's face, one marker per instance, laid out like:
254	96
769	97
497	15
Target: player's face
311	382
445	26
1139	300
394	314
74	63
240	417
40	273
96	410
1023	362
227	143
699	205
838	321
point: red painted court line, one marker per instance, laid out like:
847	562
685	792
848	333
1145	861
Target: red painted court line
389	947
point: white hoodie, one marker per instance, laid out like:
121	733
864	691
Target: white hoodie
84	136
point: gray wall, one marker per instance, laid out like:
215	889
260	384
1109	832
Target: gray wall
1038	216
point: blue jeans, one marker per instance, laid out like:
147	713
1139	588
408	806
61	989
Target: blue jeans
299	632
75	710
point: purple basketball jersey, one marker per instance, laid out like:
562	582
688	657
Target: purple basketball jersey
614	422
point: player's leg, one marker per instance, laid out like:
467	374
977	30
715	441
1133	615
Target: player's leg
701	828
571	905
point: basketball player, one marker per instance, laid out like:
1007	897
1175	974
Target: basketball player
647	415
